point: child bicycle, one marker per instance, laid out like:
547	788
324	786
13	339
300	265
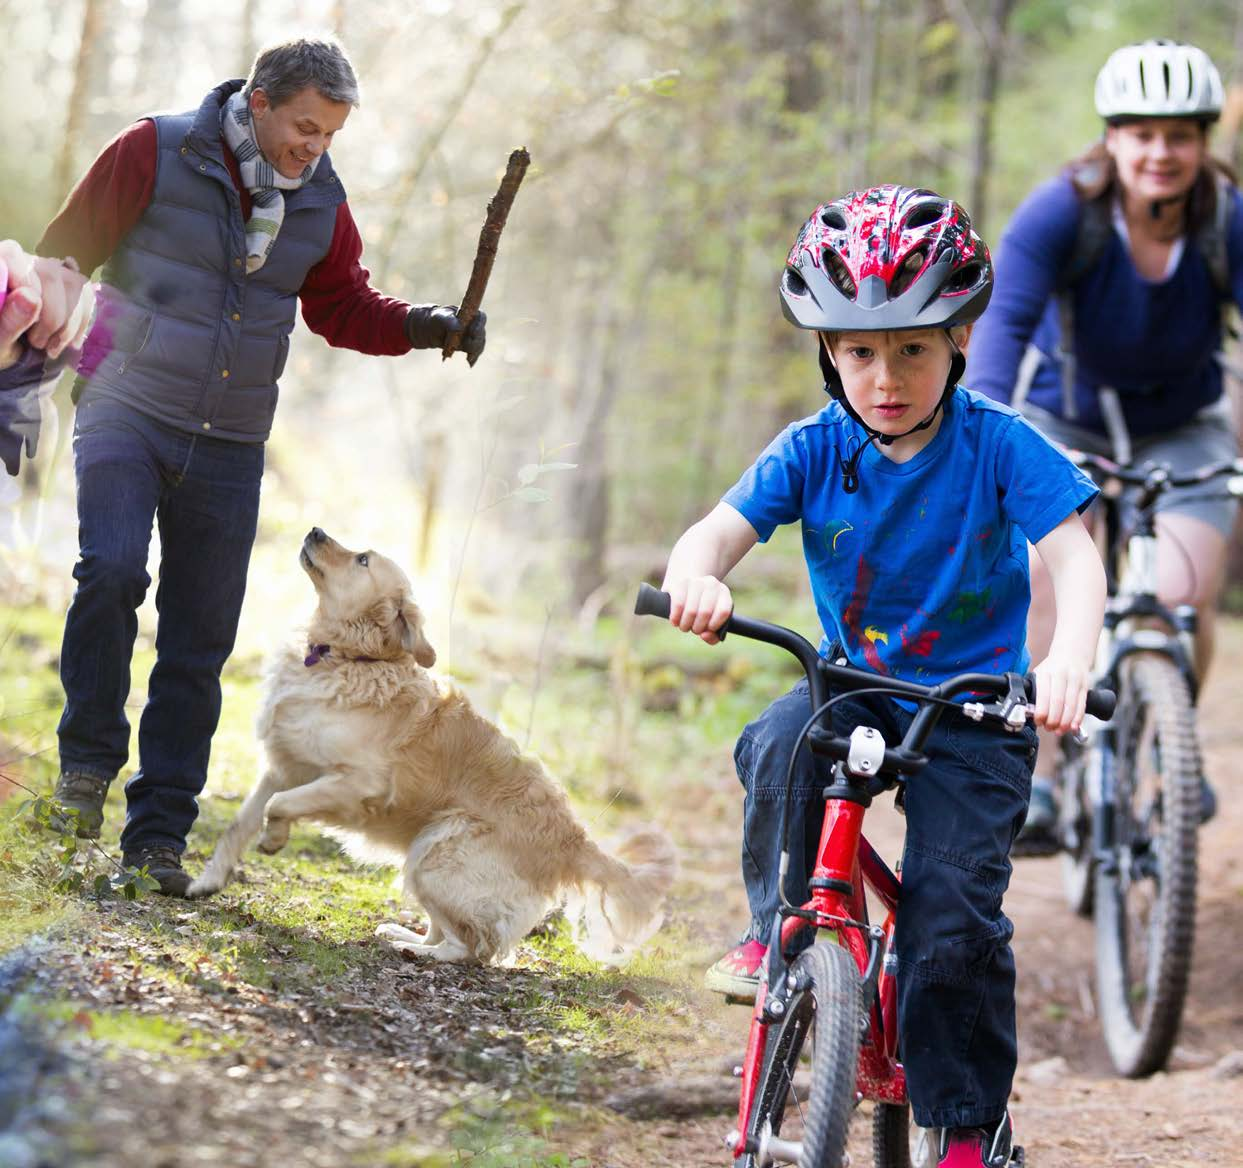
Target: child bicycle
1132	789
841	991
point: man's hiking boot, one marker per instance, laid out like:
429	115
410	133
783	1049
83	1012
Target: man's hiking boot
979	1147
84	794
164	864
737	974
1038	836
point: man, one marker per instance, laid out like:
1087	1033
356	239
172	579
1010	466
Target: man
211	225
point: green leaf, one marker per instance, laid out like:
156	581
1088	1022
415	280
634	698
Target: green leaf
531	495
102	886
529	473
545	466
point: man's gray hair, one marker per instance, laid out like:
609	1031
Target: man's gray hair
285	69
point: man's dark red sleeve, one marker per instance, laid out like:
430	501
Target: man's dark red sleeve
340	305
107	202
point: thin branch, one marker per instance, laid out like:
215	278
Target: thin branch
410	180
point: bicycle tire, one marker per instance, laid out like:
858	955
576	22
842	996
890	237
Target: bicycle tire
828	1009
1156	845
1075	827
896	1143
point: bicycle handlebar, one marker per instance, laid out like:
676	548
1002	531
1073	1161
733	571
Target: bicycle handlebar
1160	476
820	673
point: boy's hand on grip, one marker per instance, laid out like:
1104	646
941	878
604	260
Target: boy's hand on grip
1061	694
699	605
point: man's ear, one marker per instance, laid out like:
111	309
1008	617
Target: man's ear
412	638
259	104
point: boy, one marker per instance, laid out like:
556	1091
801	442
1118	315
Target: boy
917	499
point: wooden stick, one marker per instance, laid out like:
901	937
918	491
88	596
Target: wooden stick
489	238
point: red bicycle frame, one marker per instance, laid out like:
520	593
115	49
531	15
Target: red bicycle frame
844	858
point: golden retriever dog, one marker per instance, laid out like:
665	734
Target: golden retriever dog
359	736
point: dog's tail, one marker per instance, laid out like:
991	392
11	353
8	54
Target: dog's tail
619	906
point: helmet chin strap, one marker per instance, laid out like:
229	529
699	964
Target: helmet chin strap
833	387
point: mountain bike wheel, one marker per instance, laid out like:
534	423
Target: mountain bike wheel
1075	825
1146	902
825	1009
897	1142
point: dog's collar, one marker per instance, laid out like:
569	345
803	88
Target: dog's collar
319	652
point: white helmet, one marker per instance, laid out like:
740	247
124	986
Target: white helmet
1158	79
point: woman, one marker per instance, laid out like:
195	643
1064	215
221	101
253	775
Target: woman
1107	320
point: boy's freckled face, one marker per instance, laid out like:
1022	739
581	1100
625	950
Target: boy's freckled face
893	380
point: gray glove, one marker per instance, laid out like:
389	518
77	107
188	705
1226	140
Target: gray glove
429	326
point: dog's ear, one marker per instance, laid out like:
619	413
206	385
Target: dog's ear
410	619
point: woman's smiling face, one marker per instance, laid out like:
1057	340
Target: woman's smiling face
296	132
1157	158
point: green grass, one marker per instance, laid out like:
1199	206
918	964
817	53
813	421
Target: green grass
121	1031
302	921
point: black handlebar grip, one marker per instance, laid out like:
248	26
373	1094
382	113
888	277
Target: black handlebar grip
651	602
1101	703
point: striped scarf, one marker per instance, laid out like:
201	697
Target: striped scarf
260	178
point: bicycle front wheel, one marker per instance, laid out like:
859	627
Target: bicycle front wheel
1075	825
1146	899
897	1142
825	1010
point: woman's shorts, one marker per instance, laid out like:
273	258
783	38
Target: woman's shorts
1207	436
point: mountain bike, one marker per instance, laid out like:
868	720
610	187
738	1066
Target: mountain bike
1131	788
840	994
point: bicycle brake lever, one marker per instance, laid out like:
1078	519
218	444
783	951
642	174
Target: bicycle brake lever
1014	707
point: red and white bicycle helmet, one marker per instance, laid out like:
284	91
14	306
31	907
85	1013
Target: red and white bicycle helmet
1158	79
890	257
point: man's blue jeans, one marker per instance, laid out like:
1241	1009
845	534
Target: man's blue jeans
204	494
955	968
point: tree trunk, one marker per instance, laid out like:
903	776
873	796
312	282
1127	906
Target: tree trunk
993	39
66	173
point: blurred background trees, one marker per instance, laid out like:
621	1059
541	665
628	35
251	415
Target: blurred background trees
634	328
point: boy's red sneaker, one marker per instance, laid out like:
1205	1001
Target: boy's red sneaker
737	974
975	1147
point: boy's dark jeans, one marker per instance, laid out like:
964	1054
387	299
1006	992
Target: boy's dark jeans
956	972
204	493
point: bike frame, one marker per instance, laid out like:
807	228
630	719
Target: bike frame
846	865
1133	599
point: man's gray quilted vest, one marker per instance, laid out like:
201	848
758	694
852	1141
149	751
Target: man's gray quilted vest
182	333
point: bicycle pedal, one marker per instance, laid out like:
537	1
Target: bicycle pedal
1017	1157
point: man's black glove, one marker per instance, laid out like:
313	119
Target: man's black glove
429	326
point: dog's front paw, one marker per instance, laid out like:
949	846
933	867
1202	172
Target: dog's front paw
275	836
203	886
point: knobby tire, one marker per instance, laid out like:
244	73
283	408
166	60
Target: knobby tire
1075	827
828	1010
896	1143
1141	1008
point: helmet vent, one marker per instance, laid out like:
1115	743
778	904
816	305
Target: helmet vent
925	215
907	273
794	283
833	217
963	280
839	273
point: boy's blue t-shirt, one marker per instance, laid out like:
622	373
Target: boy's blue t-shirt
922	572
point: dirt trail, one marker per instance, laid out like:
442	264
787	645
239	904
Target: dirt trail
1070	1110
